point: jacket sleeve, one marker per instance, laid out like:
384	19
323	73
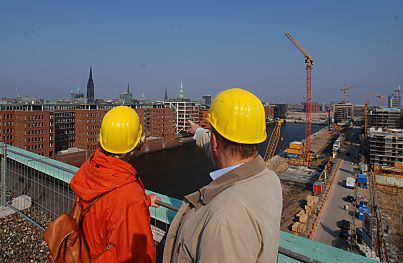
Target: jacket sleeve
202	138
131	235
221	243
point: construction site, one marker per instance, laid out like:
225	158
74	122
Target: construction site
298	181
303	167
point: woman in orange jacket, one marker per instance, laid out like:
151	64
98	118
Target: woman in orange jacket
117	226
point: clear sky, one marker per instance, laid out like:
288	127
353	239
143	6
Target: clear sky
46	47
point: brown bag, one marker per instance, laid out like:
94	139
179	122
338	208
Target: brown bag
65	238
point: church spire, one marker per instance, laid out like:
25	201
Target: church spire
166	94
90	88
181	92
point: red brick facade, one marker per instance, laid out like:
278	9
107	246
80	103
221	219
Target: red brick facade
29	130
48	132
203	118
87	127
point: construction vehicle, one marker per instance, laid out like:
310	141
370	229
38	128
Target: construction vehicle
308	96
273	141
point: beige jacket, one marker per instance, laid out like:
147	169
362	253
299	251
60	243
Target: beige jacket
235	218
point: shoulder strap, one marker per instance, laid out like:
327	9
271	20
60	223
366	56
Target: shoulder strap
78	213
91	204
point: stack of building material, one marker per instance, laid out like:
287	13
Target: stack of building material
302	215
298	227
310	203
294	150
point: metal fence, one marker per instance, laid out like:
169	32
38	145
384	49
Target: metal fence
38	189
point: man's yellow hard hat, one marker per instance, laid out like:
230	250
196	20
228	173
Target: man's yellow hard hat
238	115
120	130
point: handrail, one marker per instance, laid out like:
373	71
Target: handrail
166	205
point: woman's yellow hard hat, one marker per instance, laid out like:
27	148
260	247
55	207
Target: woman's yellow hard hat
120	130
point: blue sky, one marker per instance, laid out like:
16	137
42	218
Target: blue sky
46	47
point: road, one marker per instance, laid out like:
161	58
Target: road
327	231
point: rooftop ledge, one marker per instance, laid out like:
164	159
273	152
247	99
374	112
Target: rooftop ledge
311	250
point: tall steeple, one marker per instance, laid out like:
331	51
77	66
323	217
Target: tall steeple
128	90
166	94
181	92
90	88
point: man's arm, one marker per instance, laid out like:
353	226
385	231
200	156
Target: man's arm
202	138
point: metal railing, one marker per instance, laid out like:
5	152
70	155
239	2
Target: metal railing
37	188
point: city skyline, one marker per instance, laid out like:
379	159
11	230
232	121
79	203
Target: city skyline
48	47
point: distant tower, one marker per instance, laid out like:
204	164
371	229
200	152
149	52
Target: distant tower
181	92
166	94
90	88
126	97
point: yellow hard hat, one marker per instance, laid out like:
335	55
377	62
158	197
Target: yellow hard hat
238	116
120	130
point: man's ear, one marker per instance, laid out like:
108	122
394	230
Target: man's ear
214	142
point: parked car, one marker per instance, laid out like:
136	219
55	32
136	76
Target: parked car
350	199
344	234
344	224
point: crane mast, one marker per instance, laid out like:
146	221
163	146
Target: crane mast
273	141
308	95
345	90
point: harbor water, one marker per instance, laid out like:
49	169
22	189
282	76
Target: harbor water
184	169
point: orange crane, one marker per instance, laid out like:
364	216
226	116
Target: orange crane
345	90
273	141
308	95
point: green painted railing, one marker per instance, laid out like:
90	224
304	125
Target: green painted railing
292	248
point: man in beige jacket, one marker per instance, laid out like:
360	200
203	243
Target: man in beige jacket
235	218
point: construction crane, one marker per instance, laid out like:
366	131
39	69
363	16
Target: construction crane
308	95
345	90
378	98
273	141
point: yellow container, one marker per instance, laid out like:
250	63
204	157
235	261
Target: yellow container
296	145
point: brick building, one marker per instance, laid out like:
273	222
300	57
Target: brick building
51	130
203	122
29	130
269	112
87	127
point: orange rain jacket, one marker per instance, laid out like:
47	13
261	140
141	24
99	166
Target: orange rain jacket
120	218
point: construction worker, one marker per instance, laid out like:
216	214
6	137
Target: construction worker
117	226
236	217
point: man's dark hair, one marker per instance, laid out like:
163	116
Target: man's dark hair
236	149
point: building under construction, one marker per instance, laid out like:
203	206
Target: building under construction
386	150
343	112
383	117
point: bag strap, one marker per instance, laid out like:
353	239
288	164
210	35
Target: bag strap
78	213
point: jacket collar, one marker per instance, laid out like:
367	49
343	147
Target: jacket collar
242	172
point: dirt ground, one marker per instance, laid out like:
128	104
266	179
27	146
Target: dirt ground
390	202
294	199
